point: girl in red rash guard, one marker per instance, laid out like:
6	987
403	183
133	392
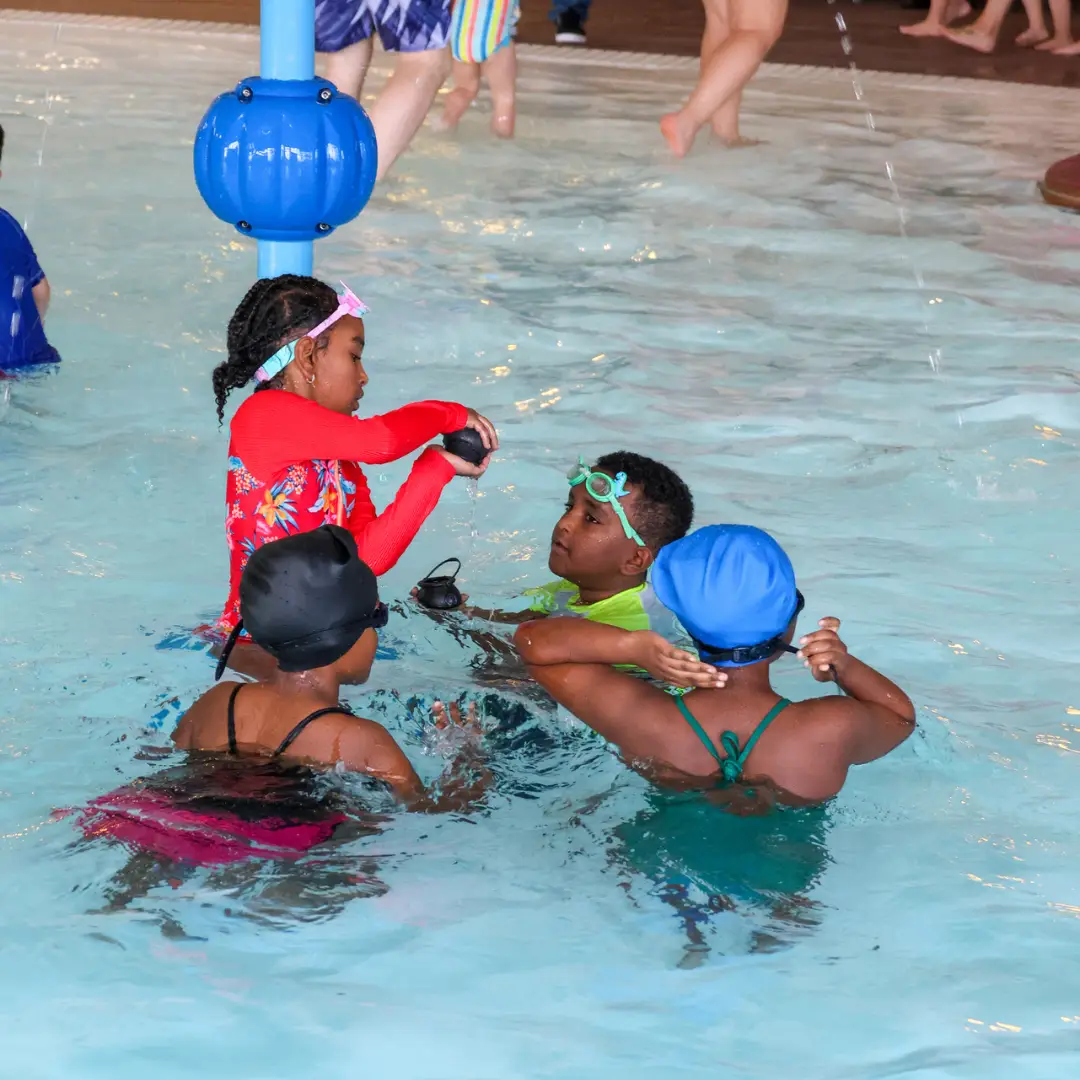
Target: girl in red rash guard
295	445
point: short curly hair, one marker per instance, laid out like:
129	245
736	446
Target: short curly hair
665	507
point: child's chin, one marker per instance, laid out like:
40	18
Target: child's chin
559	564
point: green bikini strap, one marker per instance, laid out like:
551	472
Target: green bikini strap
770	716
699	731
731	767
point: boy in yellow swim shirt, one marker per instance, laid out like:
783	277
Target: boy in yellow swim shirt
619	514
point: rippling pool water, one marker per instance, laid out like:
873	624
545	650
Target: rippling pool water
755	319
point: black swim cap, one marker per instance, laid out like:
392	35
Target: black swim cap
307	599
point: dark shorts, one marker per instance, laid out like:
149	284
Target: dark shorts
403	25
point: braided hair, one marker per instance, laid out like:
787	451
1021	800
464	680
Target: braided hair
275	310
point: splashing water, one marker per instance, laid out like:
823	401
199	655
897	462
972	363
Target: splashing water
46	123
934	354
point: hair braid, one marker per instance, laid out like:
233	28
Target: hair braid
271	313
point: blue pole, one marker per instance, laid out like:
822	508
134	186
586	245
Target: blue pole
286	51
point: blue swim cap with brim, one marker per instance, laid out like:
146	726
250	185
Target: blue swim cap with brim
733	588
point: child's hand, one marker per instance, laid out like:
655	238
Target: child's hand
822	651
461	466
443	717
674	666
485	428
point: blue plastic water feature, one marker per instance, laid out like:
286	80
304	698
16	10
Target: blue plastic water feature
286	158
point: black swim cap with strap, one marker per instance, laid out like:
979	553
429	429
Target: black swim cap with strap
307	599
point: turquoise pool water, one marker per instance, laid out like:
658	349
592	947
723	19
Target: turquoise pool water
756	320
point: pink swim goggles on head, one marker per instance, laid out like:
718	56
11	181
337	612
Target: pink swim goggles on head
348	304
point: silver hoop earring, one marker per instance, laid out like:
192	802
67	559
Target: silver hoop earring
311	381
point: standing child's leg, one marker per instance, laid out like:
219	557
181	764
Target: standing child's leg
465	64
725	121
1061	15
982	34
482	41
1036	31
466	77
501	74
755	27
941	13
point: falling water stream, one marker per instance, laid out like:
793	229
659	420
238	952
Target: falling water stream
934	353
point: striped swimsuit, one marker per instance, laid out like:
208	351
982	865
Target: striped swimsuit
480	28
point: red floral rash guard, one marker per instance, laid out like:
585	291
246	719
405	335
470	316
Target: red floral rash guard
294	466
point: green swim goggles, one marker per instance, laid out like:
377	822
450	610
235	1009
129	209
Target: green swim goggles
603	489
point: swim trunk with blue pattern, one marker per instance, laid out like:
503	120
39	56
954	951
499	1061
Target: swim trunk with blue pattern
403	25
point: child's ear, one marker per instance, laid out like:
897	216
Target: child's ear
304	356
639	562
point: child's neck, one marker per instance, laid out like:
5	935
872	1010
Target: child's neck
593	594
319	683
748	680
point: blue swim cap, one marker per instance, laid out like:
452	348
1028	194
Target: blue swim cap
731	586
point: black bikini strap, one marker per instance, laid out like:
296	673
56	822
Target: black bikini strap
232	717
296	731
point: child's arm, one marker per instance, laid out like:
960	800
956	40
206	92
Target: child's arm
563	640
886	716
383	541
634	715
42	294
274	428
542	603
367	747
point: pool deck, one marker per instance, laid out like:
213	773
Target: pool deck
674	26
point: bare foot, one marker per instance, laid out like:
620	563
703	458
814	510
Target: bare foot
725	125
1071	49
739	142
1032	37
1054	43
503	115
679	132
926	28
457	104
970	38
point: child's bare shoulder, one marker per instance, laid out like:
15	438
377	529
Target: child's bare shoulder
820	717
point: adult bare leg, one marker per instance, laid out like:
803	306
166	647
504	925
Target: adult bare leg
346	69
400	109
